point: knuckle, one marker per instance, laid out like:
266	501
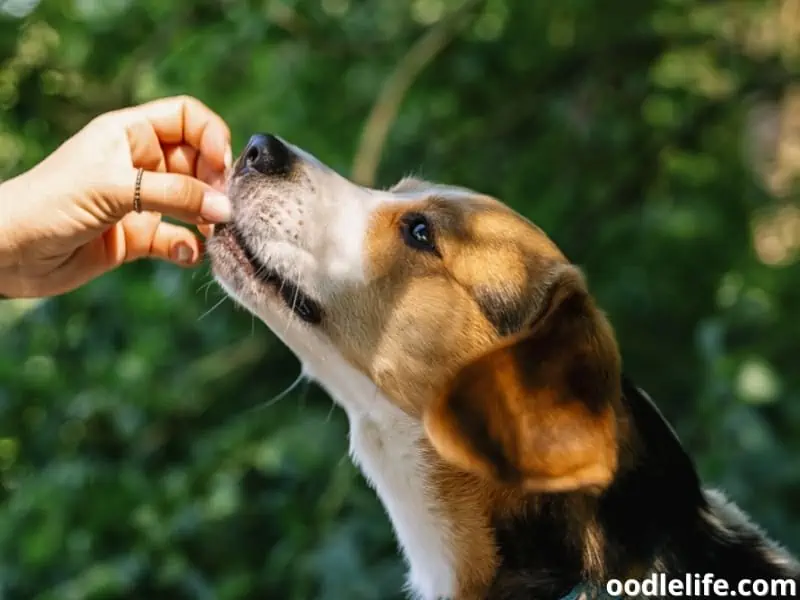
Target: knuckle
184	192
188	102
193	105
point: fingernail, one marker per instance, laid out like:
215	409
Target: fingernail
216	208
228	157
182	253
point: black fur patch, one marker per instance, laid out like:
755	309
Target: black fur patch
654	516
504	310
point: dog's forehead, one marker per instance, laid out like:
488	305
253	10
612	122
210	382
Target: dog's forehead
415	187
484	221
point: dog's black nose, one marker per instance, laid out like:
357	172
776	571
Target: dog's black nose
267	154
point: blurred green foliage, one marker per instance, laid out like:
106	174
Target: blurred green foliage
137	457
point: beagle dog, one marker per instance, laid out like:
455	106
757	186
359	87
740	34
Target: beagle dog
483	387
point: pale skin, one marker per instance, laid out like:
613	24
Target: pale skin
71	218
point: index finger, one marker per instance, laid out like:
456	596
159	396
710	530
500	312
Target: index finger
186	120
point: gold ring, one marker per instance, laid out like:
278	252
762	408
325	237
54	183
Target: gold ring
137	192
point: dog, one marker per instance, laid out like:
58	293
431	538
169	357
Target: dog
483	386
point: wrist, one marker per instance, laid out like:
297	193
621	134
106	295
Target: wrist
9	247
9	196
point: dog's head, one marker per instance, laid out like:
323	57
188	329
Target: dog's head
475	366
464	314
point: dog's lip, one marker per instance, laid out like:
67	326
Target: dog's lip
291	294
232	238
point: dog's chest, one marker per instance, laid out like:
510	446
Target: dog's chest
389	456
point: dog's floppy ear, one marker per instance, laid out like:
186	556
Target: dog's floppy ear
539	410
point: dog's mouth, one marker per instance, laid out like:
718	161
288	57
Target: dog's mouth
288	291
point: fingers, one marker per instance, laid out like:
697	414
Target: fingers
145	148
185	120
135	237
179	196
175	244
185	160
144	235
181	159
213	178
187	139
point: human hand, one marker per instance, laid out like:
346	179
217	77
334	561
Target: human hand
71	218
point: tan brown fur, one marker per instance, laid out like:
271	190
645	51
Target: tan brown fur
410	294
483	246
555	434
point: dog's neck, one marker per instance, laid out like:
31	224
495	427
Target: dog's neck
389	448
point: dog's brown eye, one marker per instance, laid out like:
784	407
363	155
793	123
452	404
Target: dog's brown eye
418	233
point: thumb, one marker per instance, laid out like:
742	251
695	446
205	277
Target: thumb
179	196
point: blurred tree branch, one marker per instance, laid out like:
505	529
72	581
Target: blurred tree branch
221	363
395	87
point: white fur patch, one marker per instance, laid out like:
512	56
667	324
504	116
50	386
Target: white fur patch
726	516
390	459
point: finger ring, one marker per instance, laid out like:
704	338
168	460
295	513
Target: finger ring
137	192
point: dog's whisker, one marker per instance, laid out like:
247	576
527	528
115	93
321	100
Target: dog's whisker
330	412
205	288
293	313
280	396
301	401
212	309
